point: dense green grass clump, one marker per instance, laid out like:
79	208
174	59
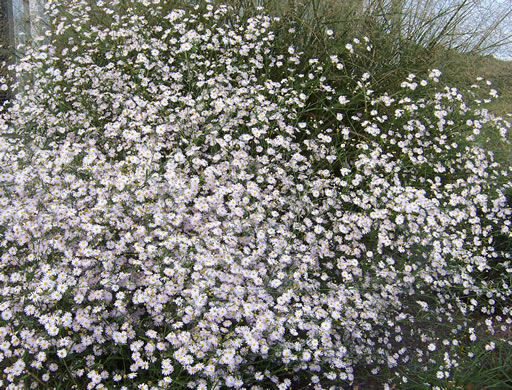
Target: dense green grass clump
189	200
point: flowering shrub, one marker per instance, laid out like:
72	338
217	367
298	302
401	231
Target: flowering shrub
181	207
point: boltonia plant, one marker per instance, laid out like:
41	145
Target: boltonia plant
183	207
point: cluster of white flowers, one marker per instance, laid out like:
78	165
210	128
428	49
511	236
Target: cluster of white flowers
173	214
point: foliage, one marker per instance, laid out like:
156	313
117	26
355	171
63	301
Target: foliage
187	201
